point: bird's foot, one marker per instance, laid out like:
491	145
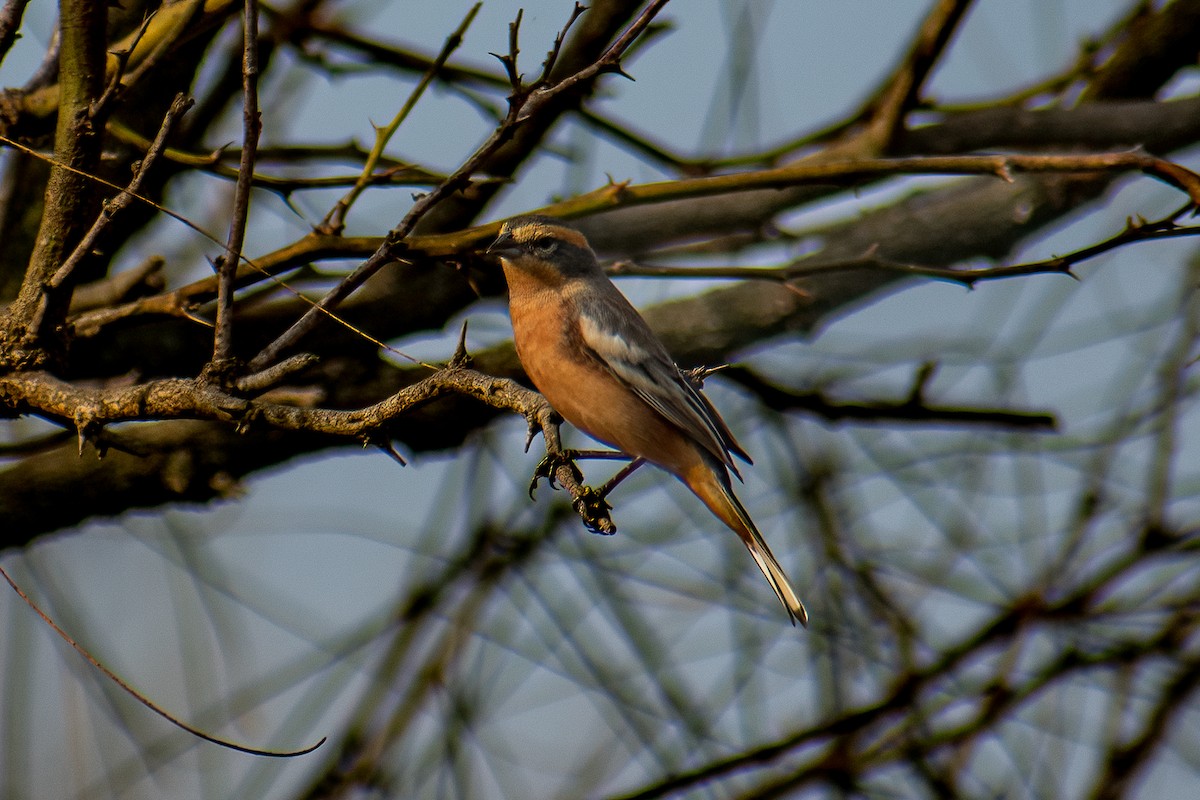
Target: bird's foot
593	510
549	466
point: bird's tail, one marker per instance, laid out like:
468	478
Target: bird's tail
721	500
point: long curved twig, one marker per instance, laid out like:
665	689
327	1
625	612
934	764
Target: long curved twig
141	698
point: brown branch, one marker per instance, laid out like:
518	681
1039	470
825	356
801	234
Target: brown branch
227	262
901	92
851	171
89	410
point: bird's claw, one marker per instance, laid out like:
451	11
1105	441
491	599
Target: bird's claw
549	465
593	510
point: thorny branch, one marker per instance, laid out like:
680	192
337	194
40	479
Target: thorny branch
335	220
183	301
1135	231
88	410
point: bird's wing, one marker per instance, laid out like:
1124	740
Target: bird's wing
613	331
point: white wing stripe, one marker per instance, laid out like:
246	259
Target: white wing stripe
655	379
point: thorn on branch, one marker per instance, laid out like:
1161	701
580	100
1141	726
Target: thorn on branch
615	68
552	56
916	396
385	444
86	427
461	358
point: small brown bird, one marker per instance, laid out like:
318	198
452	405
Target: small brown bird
596	361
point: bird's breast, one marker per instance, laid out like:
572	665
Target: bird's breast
583	391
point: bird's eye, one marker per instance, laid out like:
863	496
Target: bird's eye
545	244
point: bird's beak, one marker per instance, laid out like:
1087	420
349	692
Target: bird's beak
503	246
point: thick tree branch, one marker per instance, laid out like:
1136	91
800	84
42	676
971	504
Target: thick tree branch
90	410
32	331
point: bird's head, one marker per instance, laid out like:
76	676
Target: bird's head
544	248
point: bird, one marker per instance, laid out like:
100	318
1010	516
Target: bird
594	358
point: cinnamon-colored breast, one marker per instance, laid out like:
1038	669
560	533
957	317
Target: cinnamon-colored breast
582	389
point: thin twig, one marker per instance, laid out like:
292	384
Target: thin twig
335	220
113	87
227	262
623	473
552	56
141	698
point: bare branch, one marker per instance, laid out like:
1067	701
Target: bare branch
227	262
89	410
913	409
32	325
335	220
